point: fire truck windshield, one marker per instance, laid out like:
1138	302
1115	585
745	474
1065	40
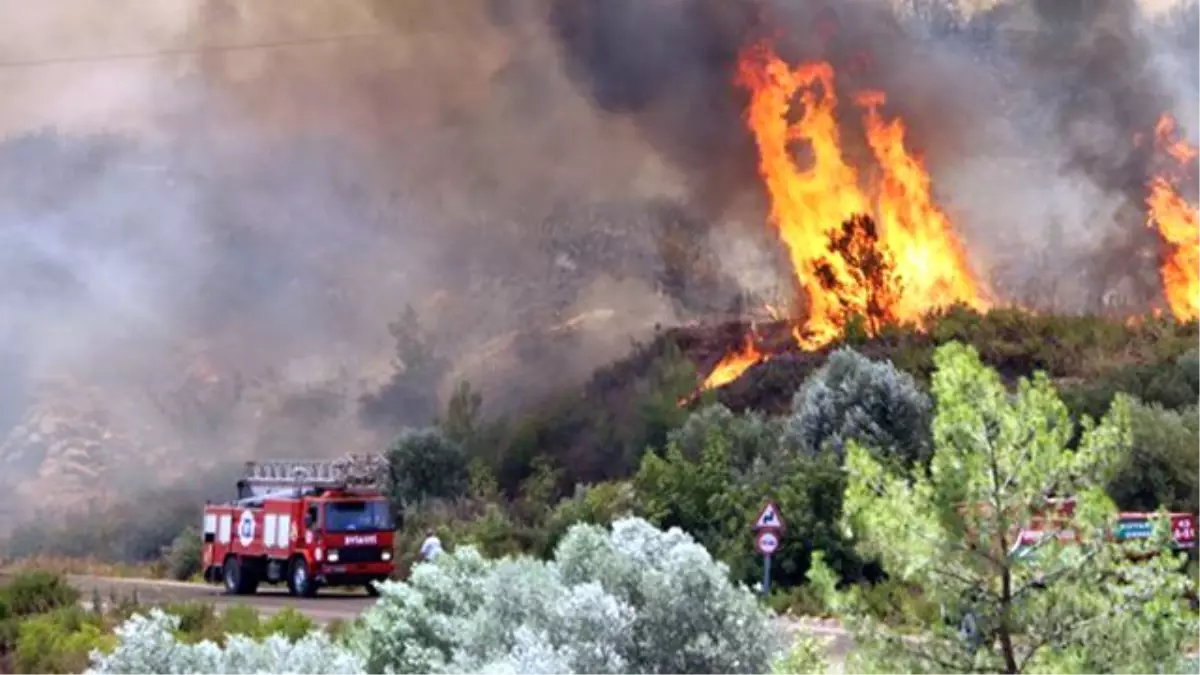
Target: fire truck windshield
364	516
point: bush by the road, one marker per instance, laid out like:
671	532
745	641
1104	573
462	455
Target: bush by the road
183	556
42	627
37	592
45	629
60	641
200	621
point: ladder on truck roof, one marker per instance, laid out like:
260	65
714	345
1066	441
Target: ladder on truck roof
270	476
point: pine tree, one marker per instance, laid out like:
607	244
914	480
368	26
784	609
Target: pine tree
1080	603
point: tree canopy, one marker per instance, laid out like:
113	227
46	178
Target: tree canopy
1074	601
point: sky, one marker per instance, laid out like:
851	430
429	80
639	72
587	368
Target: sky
51	77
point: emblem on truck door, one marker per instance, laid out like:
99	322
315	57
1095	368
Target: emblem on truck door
246	528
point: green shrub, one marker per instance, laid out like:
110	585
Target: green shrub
1171	382
807	655
197	620
37	592
599	504
338	628
797	600
289	623
853	398
59	641
9	629
424	464
8	625
184	556
1162	466
897	605
715	501
124	607
494	533
241	620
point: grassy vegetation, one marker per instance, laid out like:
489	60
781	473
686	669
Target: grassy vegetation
46	627
83	566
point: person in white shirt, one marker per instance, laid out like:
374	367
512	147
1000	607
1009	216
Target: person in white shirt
432	547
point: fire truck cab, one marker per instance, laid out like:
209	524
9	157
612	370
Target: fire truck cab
303	523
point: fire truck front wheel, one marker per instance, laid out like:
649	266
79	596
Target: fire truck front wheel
300	581
239	578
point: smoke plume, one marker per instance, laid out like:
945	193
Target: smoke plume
212	210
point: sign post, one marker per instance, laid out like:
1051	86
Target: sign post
769	528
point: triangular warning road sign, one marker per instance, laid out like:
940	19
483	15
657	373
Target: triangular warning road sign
769	518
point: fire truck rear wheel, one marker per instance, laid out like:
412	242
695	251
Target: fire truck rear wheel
300	581
239	578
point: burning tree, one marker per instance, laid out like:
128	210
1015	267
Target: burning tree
797	106
866	282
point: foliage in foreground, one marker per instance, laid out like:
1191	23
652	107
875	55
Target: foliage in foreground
635	599
45	628
631	600
148	644
951	530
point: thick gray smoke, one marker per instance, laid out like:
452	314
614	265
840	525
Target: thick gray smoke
1026	111
201	260
214	279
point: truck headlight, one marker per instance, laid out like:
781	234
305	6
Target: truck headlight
332	556
385	556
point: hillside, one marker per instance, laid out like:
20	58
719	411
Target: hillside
597	431
1017	343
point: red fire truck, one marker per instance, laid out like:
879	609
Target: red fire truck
306	523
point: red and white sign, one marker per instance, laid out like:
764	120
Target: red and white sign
767	542
1183	528
769	518
361	540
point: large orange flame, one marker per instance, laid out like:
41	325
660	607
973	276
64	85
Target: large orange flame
809	204
927	265
1176	222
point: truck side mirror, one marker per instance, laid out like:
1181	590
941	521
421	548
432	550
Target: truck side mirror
310	519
